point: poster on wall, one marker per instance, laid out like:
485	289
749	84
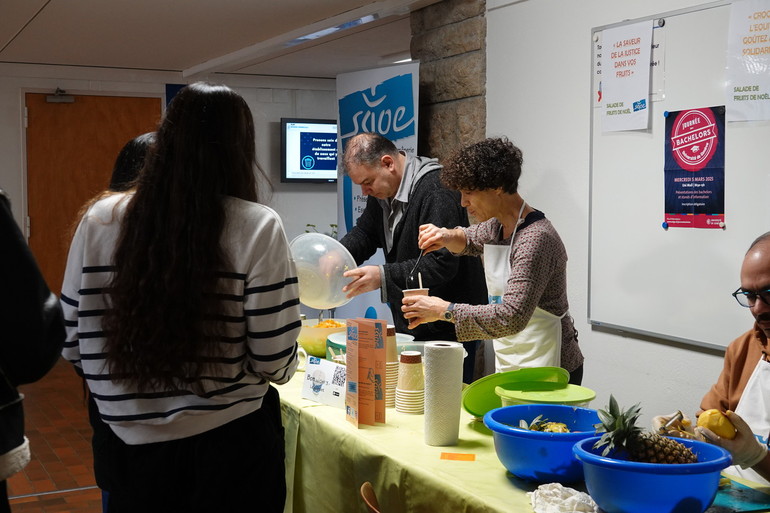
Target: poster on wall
657	65
625	82
382	100
385	101
748	61
695	168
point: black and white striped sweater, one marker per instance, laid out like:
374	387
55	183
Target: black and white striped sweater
261	295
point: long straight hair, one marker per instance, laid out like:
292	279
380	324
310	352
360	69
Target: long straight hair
162	324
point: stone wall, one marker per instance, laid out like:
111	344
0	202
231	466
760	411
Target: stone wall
449	40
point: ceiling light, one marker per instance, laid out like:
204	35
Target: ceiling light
336	24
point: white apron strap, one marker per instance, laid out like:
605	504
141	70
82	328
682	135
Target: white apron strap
754	408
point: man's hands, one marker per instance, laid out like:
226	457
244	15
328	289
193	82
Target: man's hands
745	449
365	279
682	426
678	425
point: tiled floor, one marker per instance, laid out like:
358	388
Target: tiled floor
60	477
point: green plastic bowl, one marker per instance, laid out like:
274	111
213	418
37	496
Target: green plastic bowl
337	343
544	393
479	397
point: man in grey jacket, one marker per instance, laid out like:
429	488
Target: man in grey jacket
404	192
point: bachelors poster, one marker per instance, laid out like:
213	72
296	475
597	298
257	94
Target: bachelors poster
695	168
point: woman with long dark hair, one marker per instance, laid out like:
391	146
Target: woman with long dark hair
181	302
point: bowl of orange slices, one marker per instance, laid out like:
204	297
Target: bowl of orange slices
312	337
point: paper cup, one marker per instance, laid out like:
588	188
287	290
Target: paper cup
415	292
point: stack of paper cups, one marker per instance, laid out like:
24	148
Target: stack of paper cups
443	392
391	349
410	390
391	382
391	367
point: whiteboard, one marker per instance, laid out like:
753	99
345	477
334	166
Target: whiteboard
674	284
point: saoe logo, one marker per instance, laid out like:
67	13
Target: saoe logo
694	138
386	108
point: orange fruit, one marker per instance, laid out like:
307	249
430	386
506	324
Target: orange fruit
718	423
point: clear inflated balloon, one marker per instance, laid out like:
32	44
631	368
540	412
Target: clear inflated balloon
321	262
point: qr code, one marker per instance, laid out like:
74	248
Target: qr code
339	376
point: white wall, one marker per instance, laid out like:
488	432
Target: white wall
538	94
269	100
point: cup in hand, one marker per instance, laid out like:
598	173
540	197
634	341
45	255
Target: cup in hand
415	292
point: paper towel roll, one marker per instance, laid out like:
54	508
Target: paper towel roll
443	363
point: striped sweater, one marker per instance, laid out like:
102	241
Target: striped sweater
261	298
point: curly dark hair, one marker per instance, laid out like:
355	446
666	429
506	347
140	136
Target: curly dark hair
488	164
162	330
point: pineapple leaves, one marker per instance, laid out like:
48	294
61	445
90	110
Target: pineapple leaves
623	435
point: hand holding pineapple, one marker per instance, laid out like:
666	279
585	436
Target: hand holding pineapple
745	449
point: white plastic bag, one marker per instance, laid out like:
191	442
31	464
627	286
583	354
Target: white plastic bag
555	498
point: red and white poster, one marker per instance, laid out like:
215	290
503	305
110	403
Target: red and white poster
695	168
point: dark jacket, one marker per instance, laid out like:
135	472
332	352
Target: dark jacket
32	336
454	279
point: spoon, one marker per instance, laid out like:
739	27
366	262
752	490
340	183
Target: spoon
409	278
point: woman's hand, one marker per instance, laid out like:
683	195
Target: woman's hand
432	238
421	309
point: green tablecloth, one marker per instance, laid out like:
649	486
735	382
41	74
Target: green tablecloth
328	459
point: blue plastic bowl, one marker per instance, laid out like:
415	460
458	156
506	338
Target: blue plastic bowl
619	486
534	455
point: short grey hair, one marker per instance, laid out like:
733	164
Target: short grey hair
366	149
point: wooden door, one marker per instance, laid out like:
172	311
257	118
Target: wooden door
71	149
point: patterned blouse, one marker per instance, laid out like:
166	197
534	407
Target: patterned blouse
538	279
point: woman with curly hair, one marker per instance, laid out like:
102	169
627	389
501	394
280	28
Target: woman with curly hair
182	306
524	260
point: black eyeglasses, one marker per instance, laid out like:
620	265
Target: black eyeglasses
748	298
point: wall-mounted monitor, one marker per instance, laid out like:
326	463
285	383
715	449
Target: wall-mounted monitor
308	150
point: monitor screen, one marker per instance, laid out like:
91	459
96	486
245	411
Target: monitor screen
308	150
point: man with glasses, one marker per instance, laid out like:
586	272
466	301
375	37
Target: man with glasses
743	388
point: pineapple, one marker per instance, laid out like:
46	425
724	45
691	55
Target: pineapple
541	424
555	427
621	433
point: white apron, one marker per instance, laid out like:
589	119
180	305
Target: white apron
539	344
754	408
